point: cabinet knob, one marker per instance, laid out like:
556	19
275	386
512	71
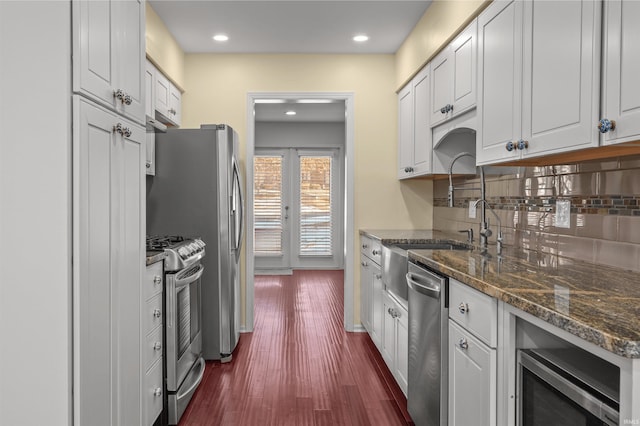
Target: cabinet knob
119	94
157	346
157	313
463	343
522	144
127	132
157	280
364	246
378	276
463	308
443	110
365	264
127	99
605	125
157	392
510	146
375	252
148	164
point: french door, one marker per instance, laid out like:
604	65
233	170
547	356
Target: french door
297	208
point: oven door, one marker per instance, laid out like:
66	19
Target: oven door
184	335
551	398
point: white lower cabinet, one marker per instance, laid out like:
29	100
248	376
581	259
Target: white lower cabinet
152	327
377	291
395	339
108	207
472	379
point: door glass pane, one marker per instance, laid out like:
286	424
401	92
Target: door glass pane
315	206
267	205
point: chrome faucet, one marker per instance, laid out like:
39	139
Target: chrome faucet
485	231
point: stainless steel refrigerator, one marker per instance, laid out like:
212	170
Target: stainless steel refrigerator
197	191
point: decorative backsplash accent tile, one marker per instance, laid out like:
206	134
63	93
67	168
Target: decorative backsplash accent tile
605	208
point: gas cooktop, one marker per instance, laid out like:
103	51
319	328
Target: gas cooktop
181	251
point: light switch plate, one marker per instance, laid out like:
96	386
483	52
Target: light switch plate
472	210
563	213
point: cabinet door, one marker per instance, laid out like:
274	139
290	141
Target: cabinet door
441	86
464	64
422	145
621	67
94	283
561	75
388	347
130	56
472	380
365	292
94	68
405	132
149	85
175	105
499	77
377	306
402	349
163	95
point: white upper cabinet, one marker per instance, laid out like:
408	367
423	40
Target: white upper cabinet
621	68
539	79
108	54
453	77
414	133
168	101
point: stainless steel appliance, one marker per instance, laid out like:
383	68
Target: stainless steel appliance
197	190
567	387
183	332
428	339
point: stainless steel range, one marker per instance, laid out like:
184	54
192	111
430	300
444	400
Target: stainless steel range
183	316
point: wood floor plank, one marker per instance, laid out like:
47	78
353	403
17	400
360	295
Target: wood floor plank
299	366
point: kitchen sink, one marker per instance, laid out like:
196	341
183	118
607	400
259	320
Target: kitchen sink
395	263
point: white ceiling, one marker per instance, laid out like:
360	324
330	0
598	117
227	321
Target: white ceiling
307	26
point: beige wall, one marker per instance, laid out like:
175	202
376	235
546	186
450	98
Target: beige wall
162	48
216	92
442	20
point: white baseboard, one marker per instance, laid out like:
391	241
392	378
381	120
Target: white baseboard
359	328
273	272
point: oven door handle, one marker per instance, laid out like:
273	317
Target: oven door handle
190	278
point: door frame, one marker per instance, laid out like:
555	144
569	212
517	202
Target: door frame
349	225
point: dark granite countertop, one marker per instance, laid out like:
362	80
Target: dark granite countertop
597	303
154	256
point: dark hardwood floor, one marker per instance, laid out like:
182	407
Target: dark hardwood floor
299	366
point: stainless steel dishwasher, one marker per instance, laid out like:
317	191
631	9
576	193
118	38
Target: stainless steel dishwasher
428	340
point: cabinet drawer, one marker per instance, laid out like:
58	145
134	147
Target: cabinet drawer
152	394
474	311
152	314
153	280
152	349
371	248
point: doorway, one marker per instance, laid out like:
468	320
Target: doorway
297	209
299	190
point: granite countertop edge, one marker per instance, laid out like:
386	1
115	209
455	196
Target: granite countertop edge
154	257
436	259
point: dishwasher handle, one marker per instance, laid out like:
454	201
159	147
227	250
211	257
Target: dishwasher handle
424	285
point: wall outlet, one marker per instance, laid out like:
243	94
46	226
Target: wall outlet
563	213
472	210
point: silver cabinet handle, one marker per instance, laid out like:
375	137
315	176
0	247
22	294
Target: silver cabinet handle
365	264
157	392
605	125
119	95
447	108
122	130
157	280
510	146
463	308
157	313
364	246
157	346
463	343
375	252
378	276
127	99
522	144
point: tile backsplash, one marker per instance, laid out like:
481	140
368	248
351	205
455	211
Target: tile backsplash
605	208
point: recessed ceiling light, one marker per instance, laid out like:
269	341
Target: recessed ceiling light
220	37
290	113
360	38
